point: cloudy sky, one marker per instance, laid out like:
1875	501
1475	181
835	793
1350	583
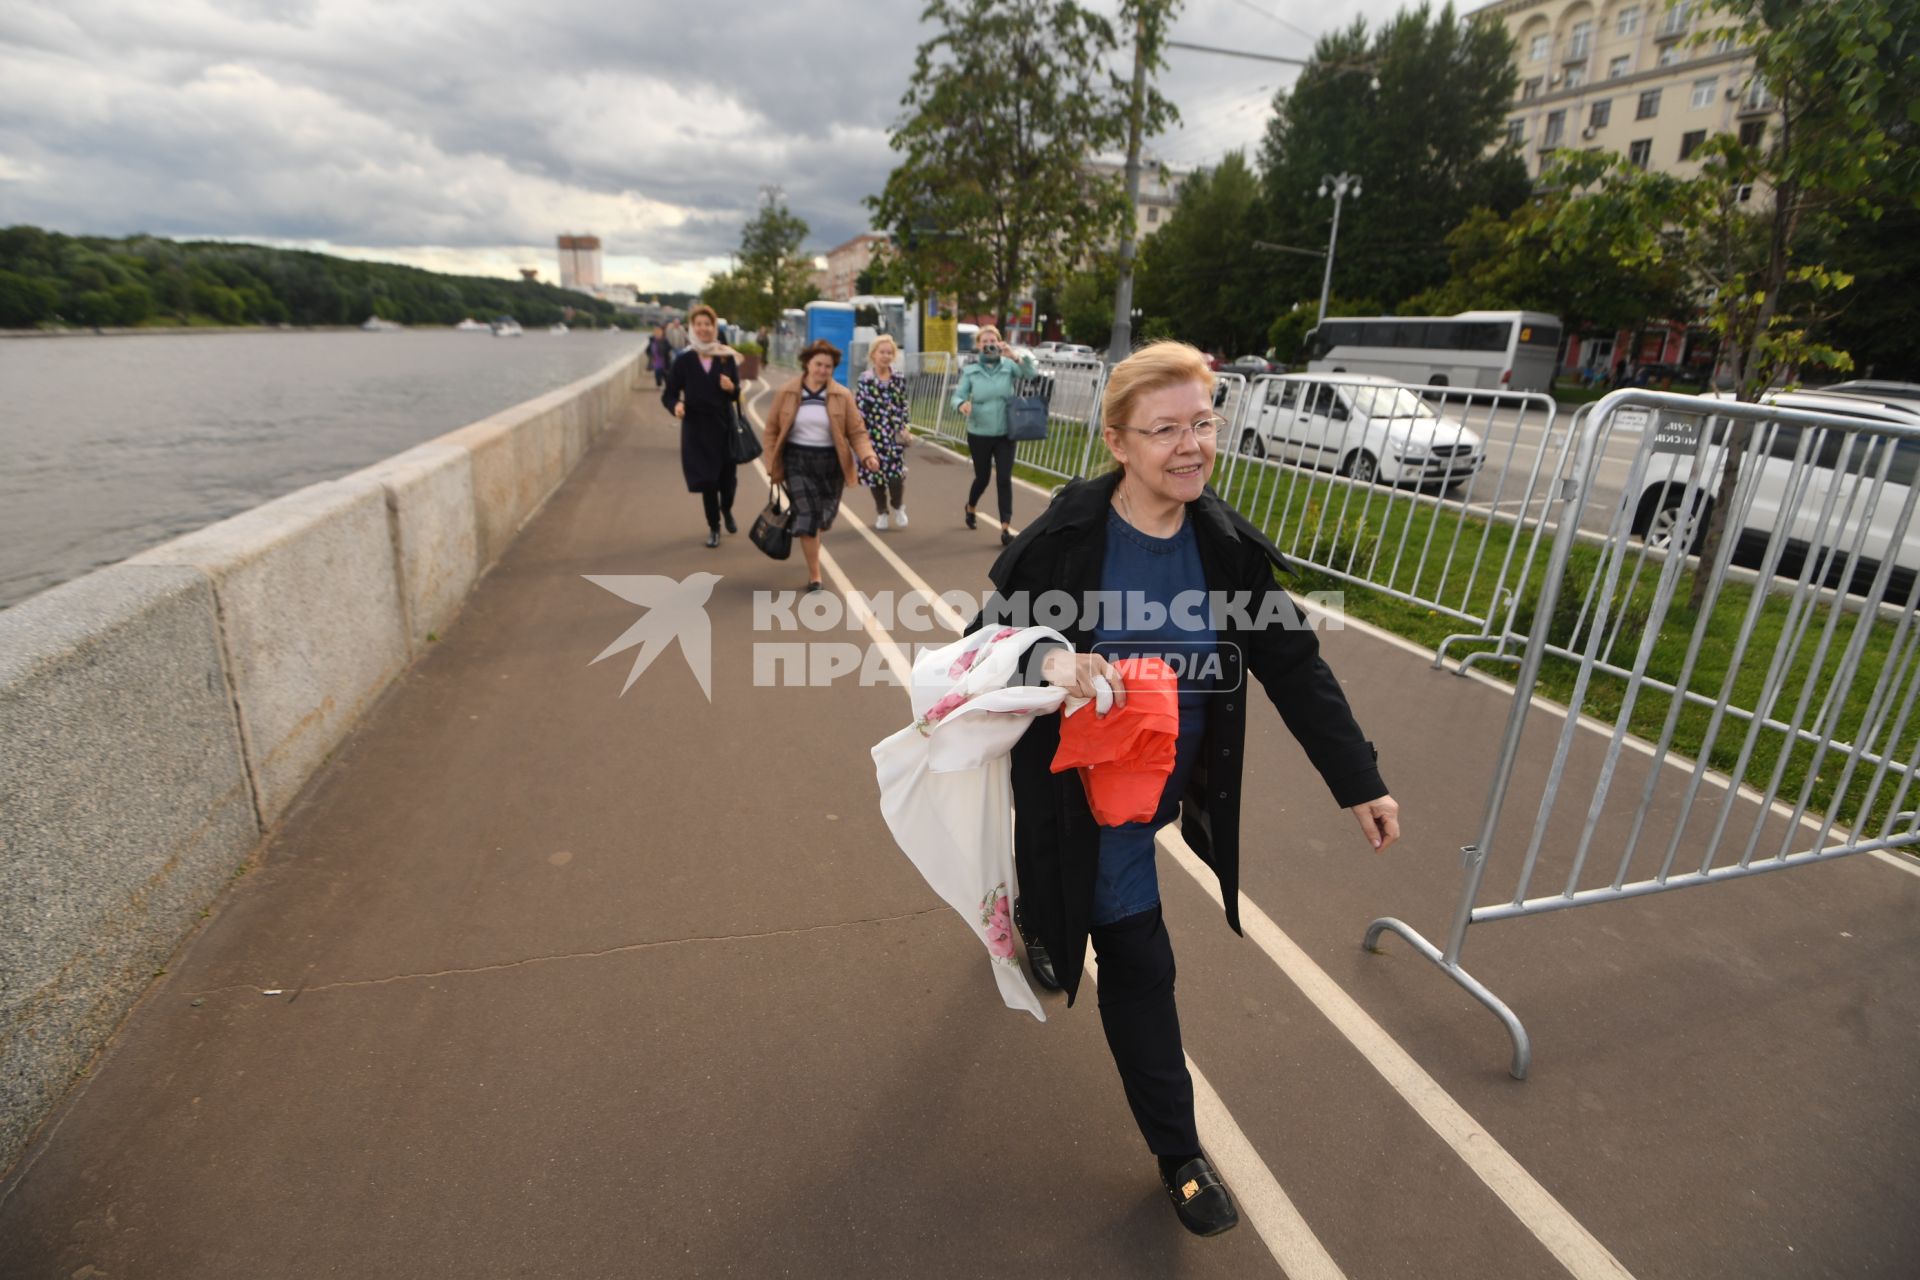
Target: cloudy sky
464	136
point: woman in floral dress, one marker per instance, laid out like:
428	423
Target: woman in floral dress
882	400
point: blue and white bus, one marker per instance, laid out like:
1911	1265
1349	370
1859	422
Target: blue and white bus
1480	350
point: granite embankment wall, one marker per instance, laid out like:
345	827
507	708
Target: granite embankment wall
158	716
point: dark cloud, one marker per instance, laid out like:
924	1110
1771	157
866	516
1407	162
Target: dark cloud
476	126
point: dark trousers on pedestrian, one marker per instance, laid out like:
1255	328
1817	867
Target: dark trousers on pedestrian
719	497
1143	1029
992	454
888	492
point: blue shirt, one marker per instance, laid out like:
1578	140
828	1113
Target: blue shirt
1145	571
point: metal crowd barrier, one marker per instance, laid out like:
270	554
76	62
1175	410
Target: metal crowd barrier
1420	493
930	376
1798	684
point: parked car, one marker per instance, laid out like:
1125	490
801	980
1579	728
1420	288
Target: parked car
1672	496
1252	366
1364	426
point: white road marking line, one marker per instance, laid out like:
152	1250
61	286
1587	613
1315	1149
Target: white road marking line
1259	1195
1572	1244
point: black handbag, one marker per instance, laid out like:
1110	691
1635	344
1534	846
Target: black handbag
743	442
772	530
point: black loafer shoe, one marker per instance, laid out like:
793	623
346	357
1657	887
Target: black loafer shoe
1040	965
970	520
713	537
1200	1198
731	526
1005	536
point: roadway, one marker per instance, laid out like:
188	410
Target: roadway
539	978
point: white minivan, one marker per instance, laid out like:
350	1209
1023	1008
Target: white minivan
1842	464
1360	425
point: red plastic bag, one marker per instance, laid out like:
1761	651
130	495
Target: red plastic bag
1126	756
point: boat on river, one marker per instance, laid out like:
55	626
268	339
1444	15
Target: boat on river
507	327
470	325
374	324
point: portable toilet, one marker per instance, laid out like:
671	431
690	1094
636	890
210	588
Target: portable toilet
833	321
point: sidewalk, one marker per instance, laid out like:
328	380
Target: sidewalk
566	982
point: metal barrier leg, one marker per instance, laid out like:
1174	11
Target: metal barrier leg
1522	1045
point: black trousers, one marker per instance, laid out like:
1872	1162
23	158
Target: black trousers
992	454
1143	1029
719	497
890	492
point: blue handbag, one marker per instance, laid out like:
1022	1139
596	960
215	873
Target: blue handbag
1027	418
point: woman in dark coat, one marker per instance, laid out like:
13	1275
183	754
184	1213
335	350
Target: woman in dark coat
703	391
1152	531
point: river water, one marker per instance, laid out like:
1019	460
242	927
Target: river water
110	445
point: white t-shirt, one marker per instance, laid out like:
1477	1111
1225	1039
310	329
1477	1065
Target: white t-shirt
811	426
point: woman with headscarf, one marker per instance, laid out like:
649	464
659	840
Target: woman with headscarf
816	446
703	391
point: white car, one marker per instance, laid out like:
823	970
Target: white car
1360	425
1838	458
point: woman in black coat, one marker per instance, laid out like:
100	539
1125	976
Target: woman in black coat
1154	533
703	391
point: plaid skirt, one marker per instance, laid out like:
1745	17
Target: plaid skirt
814	482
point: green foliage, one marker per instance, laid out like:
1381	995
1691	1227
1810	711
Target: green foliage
1086	306
50	278
1007	103
1196	268
1415	109
773	273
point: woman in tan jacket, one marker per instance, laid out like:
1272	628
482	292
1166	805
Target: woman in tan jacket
817	445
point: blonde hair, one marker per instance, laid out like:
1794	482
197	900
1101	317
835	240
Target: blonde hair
986	329
875	345
1154	367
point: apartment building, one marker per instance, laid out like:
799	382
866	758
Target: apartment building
1631	76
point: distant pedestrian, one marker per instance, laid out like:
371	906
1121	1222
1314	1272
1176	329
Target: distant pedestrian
1151	533
881	395
703	391
677	335
816	446
981	396
659	355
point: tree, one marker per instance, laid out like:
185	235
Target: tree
1086	305
1511	264
1147	113
1199	270
1833	67
1415	109
26	300
1006	106
771	264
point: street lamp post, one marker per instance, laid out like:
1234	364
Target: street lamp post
1341	186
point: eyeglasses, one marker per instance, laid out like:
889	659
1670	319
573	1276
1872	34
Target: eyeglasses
1167	434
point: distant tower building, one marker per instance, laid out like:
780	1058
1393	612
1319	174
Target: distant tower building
530	274
579	262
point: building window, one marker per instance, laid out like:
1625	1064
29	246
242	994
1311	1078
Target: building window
1752	132
1580	42
1690	142
1703	92
1542	45
1516	133
1745	193
1556	129
1677	18
1530	89
1153	213
1629	22
1757	98
1620	66
1649	105
1640	154
1670	55
1600	115
1576	76
1724	43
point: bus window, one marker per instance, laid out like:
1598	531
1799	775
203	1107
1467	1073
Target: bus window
1316	344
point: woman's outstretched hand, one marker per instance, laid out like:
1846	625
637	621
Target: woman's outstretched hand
1379	822
1075	672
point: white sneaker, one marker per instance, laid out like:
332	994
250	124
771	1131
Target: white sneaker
880	522
899	517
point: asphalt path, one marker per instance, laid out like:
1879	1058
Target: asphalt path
541	977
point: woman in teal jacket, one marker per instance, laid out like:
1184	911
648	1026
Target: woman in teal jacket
981	397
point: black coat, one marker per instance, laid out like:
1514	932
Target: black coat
1056	840
704	458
